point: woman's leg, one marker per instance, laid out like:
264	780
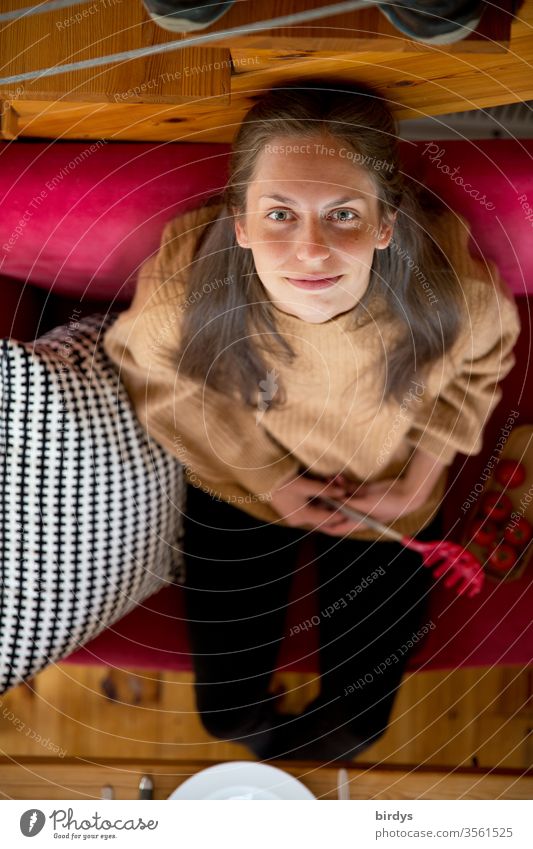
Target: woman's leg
238	577
372	601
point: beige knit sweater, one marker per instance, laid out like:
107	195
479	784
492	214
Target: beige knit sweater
334	419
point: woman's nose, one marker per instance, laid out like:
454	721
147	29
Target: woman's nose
311	242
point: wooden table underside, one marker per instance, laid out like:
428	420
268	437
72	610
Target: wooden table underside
201	94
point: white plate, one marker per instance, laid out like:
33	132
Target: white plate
244	781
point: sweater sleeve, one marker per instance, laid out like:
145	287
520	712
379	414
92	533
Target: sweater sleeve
215	438
452	420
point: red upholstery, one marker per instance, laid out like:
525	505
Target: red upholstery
81	222
499	170
86	239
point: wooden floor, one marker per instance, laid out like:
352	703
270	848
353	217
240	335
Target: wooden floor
475	717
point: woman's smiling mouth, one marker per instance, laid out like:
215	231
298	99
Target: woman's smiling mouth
314	282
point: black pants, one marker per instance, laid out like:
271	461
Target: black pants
239	572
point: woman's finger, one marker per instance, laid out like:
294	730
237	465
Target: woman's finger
308	486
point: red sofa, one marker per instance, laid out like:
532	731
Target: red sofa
78	220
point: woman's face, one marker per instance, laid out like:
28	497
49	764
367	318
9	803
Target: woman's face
312	225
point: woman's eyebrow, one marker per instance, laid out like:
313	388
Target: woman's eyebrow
345	199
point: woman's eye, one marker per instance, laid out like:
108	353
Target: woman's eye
277	212
343	212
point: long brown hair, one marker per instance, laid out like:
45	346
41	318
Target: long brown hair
219	344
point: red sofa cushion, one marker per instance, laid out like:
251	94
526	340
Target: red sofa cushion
80	223
496	174
79	218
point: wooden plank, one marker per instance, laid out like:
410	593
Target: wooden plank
100	28
8	121
517	694
367	29
32	778
129	122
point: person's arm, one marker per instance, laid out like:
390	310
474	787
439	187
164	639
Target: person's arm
451	420
423	472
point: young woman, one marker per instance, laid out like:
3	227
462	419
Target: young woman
319	330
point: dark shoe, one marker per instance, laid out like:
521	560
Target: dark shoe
435	21
185	15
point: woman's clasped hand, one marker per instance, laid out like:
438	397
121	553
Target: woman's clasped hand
299	502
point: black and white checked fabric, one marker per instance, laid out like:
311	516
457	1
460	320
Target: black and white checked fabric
90	508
